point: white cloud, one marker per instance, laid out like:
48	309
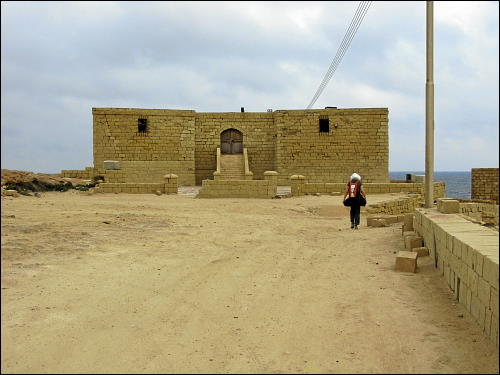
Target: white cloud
61	59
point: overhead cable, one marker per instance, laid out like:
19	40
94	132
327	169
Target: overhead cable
360	13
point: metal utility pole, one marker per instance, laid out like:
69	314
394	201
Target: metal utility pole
429	109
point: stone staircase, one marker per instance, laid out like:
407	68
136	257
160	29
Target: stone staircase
232	167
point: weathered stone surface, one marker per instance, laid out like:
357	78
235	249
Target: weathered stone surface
421	251
111	165
406	261
449	206
375	222
11	193
408	222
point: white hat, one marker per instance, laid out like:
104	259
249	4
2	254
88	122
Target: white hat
355	176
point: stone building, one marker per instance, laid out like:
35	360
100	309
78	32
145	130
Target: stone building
326	145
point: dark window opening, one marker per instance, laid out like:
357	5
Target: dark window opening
324	125
142	125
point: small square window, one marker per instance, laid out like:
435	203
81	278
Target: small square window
142	125
324	125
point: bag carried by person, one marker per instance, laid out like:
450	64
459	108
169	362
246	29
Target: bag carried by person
362	200
354	195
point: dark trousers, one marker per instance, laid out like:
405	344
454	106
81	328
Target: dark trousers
355	213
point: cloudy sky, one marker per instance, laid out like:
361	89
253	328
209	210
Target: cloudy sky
60	59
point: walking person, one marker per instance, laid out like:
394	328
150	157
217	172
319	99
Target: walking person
357	198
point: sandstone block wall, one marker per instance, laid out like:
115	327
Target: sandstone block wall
167	146
130	188
238	189
185	142
259	137
87	173
369	188
485	212
484	184
397	206
357	142
466	254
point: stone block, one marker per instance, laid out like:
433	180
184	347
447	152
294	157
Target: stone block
462	297
490	271
111	165
421	251
487	322
408	222
416	242
11	193
375	222
494	328
409	233
412	241
483	292
494	301
449	206
475	307
406	261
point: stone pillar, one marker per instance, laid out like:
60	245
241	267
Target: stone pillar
216	175
170	183
297	181
272	178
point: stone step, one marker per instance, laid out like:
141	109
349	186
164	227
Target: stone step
232	167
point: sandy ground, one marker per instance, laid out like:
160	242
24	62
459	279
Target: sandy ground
172	284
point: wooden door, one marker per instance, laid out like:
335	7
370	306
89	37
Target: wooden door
231	142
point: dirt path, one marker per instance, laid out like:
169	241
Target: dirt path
173	284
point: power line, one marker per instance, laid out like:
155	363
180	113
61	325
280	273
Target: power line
346	41
334	63
343	48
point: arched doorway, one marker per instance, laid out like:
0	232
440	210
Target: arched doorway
231	141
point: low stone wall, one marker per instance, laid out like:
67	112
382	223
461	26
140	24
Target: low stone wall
300	187
466	254
266	188
484	183
485	212
396	206
86	174
169	186
130	188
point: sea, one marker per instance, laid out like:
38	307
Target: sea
457	184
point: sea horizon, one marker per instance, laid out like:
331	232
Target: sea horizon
457	183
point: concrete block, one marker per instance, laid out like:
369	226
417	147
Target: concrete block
406	261
421	251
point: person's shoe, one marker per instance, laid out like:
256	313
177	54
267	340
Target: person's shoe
352	225
355	227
